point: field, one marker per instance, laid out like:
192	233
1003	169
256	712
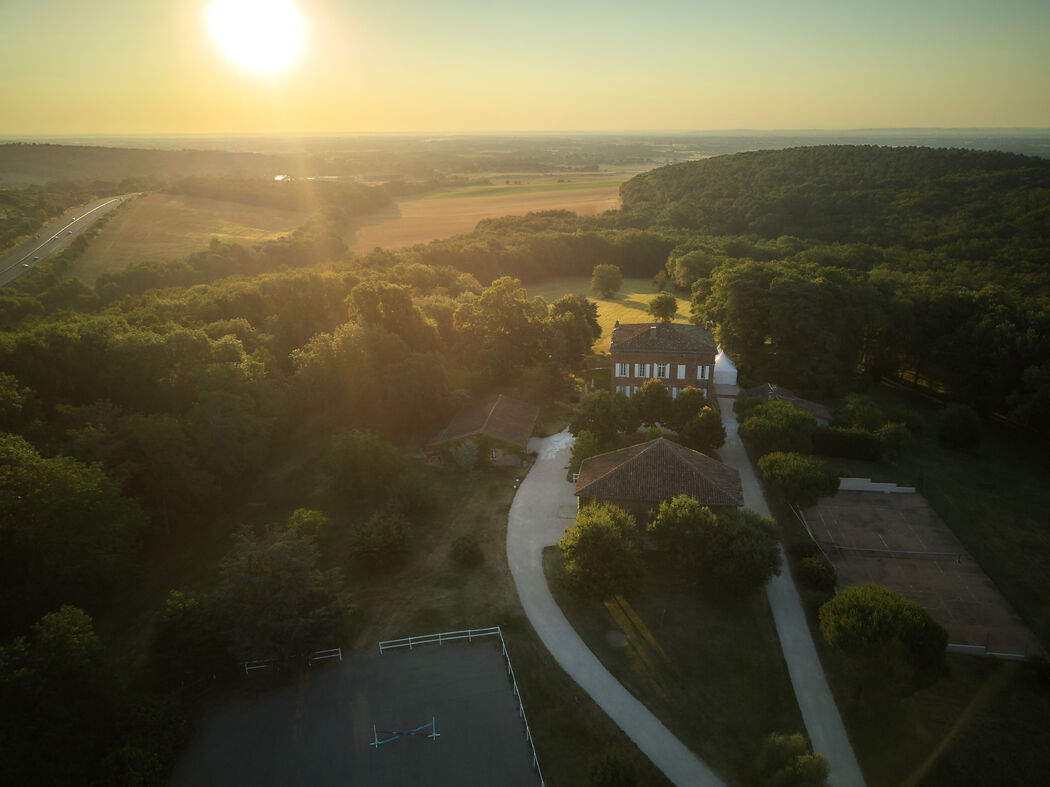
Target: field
458	212
162	227
627	306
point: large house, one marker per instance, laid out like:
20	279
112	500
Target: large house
679	355
638	478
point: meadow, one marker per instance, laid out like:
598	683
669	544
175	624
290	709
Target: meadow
161	227
628	305
448	213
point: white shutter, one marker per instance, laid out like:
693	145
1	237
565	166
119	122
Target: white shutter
681	371
648	371
699	372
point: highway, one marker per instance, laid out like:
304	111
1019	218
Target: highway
55	237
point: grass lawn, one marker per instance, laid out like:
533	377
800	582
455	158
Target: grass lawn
711	670
628	305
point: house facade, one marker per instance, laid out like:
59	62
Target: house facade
678	355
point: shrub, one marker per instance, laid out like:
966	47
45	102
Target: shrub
801	480
779	426
381	542
848	442
959	428
602	552
466	552
817	573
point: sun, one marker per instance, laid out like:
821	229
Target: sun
260	35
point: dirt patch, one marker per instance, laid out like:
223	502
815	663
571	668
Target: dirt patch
424	220
897	541
161	227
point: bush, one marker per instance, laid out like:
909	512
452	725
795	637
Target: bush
381	542
817	573
848	442
779	426
888	639
602	552
788	761
894	441
744	406
466	552
801	480
959	428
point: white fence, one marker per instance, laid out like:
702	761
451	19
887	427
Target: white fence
470	635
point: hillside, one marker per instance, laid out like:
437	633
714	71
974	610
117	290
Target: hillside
968	204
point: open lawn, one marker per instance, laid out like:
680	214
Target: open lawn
161	227
711	669
628	305
446	214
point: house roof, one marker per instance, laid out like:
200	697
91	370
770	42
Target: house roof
778	393
659	470
662	337
502	418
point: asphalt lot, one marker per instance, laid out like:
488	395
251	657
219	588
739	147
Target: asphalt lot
56	236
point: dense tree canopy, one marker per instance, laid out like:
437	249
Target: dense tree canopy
602	552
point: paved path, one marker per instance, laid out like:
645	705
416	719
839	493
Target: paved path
821	716
542	509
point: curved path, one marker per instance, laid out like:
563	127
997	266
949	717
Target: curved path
819	712
543	507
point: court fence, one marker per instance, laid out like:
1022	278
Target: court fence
470	635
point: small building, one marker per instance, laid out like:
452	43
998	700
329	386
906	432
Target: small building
778	393
679	355
497	428
725	369
638	478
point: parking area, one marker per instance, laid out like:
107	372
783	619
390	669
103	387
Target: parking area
896	540
318	730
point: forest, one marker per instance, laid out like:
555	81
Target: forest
152	402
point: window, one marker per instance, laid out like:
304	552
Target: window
681	371
624	389
623	370
634	390
674	393
662	371
703	372
641	370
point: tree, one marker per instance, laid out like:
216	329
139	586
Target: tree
801	480
278	603
653	403
787	761
687	405
606	415
663	307
308	523
733	552
381	541
889	640
574	319
778	426
584	447
363	467
606	280
65	532
602	552
704	432
501	330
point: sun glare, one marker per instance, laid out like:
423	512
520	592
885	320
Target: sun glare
260	35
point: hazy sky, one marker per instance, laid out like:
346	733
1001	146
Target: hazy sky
150	66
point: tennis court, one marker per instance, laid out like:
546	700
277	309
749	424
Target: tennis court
318	730
896	540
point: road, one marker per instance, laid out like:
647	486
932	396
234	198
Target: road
56	236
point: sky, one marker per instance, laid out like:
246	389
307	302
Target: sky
368	66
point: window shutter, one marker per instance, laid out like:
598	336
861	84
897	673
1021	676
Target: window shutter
681	371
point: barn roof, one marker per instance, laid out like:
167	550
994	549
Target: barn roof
502	418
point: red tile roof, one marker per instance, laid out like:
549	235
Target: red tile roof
503	418
662	337
659	470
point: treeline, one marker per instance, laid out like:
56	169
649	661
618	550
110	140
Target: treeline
24	211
